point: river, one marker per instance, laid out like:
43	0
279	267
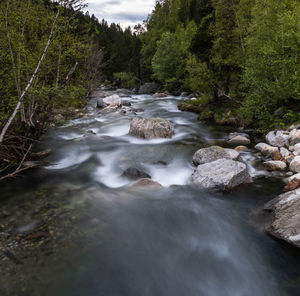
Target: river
76	227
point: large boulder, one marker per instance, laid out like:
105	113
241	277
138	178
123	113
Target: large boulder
278	139
113	100
295	165
294	137
285	223
222	174
149	88
151	128
135	174
213	153
275	165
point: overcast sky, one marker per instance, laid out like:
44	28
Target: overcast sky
124	12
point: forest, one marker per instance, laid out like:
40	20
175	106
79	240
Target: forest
240	59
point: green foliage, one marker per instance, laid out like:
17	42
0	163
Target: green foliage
127	80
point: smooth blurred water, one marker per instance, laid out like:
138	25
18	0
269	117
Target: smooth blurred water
168	242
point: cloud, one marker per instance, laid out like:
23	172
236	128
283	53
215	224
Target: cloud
124	12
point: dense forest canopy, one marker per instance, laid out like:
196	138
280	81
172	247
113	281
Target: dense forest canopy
242	53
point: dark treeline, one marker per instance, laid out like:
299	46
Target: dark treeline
241	57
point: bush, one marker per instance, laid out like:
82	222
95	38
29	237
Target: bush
126	80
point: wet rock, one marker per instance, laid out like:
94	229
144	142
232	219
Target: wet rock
101	104
277	139
135	174
159	95
269	150
111	108
222	174
295	165
294	137
275	165
239	140
126	103
297	149
276	155
113	100
241	148
284	152
261	146
150	128
149	88
206	155
146	183
293	184
236	134
137	110
285	224
184	94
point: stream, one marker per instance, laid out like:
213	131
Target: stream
78	228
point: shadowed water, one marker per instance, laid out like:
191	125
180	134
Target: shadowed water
106	238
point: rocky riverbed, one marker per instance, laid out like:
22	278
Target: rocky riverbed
140	198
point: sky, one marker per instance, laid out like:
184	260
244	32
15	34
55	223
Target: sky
124	12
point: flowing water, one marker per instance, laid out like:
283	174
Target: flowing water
77	227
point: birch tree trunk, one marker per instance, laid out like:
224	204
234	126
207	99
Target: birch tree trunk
21	98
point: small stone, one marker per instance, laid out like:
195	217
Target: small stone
261	146
276	155
147	183
240	148
239	140
284	152
135	174
294	137
269	150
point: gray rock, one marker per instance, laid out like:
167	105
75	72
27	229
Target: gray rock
159	95
101	104
295	165
269	150
239	140
233	135
261	146
275	165
135	174
294	137
297	148
297	176
277	139
150	128
149	88
113	100
284	152
222	174
126	103
146	184
124	92
285	223
213	153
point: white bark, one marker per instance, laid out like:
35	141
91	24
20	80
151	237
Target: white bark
11	118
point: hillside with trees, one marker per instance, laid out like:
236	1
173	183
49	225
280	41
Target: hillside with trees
239	57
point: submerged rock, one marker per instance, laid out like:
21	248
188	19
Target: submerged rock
285	224
213	153
222	174
146	183
277	139
135	174
101	104
150	128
